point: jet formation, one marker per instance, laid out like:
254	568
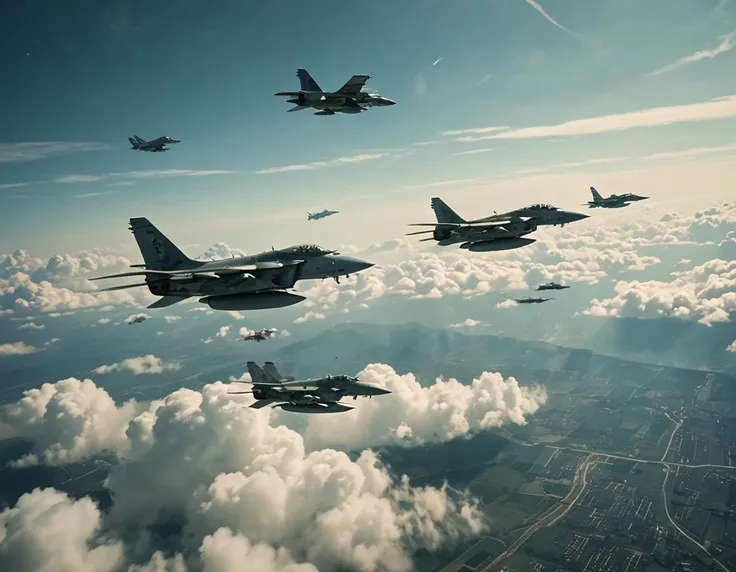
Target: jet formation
350	98
551	286
321	395
531	300
503	231
254	282
154	146
260	335
614	201
322	214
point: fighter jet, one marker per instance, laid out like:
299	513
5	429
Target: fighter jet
254	282
614	201
155	146
260	335
319	395
321	214
532	300
350	98
551	286
498	232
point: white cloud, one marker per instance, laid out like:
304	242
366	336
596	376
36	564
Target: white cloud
52	341
242	486
48	530
468	323
172	173
78	179
171	319
104	321
220	251
475	151
474	131
31	151
732	347
137	318
726	45
323	164
707	294
31	326
509	303
68	421
549	18
222	332
12	185
309	316
417	415
16	349
29	284
718	108
692	152
236	315
147	364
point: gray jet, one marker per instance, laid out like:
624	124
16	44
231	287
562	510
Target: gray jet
319	395
321	214
551	286
532	300
350	98
155	146
498	232
614	201
254	282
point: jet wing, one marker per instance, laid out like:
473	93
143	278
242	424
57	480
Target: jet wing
212	272
353	85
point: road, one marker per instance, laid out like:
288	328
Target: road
579	482
665	482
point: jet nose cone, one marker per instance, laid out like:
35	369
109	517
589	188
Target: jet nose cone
390	102
578	216
352	264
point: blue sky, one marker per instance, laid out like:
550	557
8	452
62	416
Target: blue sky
94	74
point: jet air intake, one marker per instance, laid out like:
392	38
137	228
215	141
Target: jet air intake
497	244
258	301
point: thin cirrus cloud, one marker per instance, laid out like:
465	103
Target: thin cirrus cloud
718	108
475	151
65	179
693	152
549	18
726	45
35	150
323	164
12	185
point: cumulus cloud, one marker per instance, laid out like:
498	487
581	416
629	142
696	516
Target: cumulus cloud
220	251
147	364
31	326
509	303
137	318
222	332
170	319
732	347
417	415
707	294
16	349
242	486
309	316
60	284
104	321
48	530
52	341
468	323
69	421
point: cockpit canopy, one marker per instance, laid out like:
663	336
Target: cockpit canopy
542	207
343	378
312	249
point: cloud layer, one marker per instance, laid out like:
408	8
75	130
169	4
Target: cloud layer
243	486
